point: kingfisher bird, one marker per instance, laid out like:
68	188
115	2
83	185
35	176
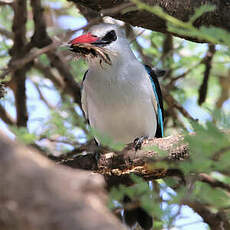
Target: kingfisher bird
123	100
121	97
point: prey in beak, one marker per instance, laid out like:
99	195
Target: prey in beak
90	46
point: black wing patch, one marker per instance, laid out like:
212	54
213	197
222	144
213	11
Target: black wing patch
87	119
157	90
84	77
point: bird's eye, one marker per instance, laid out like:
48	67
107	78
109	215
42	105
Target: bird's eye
110	36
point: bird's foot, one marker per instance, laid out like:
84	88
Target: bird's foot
138	142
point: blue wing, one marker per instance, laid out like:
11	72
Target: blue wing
158	96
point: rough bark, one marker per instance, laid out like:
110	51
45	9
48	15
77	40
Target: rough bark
117	166
37	194
181	9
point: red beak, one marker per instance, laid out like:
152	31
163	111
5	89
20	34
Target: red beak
85	38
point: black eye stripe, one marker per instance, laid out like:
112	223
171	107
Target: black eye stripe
110	36
107	39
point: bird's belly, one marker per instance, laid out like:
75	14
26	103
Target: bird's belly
122	117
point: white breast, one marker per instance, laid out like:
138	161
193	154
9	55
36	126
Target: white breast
118	102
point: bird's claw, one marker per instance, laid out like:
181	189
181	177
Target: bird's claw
138	142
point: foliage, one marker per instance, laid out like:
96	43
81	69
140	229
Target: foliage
211	34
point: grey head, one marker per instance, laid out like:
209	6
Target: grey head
104	41
111	36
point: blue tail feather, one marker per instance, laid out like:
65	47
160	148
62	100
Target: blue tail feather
158	96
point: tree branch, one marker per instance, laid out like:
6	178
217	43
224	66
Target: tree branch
6	116
213	182
215	220
117	166
43	98
207	61
17	64
70	84
36	194
181	9
40	37
17	52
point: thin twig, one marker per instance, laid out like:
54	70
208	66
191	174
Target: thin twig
64	71
42	97
173	103
213	182
183	75
30	57
6	117
48	73
208	65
